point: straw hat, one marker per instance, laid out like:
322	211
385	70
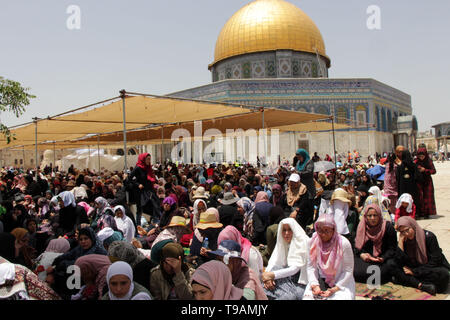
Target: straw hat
200	193
340	194
208	220
177	221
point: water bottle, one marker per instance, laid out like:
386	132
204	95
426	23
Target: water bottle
205	243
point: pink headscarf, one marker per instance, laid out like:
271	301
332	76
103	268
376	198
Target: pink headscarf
60	245
86	207
231	233
96	264
375	234
216	276
415	248
262	197
328	256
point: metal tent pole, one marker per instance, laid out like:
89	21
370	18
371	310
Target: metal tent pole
98	152
35	145
122	95
334	143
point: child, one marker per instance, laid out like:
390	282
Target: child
405	207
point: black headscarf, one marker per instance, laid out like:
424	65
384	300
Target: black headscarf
7	246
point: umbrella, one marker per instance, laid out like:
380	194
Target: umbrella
323	166
376	172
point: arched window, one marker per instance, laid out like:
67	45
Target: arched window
341	114
389	120
377	115
361	116
322	110
383	119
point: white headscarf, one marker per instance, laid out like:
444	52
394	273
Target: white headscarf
123	268
68	198
339	211
405	197
292	254
196	213
125	224
377	193
105	233
79	192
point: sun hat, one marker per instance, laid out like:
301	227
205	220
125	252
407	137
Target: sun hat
228	249
177	221
200	193
208	220
340	194
229	198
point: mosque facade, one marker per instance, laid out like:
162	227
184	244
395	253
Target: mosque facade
271	54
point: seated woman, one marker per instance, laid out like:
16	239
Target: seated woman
170	280
249	253
55	248
124	251
375	197
339	207
419	261
93	269
285	277
209	228
124	223
213	281
108	236
275	216
405	207
175	230
376	243
121	285
330	265
24	252
243	277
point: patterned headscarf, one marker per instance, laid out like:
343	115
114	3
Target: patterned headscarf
328	256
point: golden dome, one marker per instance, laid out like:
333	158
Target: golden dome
267	25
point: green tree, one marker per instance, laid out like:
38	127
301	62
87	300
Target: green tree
13	98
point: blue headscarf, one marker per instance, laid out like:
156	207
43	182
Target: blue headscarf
301	165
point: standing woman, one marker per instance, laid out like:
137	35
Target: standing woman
305	168
330	265
425	188
142	179
390	188
407	177
286	274
419	261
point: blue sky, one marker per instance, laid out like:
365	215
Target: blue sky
158	47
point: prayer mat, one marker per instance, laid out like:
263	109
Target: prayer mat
390	291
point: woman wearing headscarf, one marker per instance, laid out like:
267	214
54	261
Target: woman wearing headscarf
305	168
285	277
419	261
24	253
229	252
425	187
376	197
299	205
55	248
20	283
249	253
175	230
70	215
261	217
142	180
124	251
121	285
278	196
199	207
276	215
170	280
124	223
405	207
407	177
15	218
102	208
213	281
108	235
390	187
246	208
182	195
339	207
375	244
330	264
93	270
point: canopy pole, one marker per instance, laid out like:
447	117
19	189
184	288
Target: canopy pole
23	156
122	95
334	143
98	152
35	146
265	150
54	156
162	145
